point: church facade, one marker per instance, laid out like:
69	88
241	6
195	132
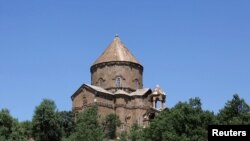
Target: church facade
117	87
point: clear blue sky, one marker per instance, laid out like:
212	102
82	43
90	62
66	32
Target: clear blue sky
191	48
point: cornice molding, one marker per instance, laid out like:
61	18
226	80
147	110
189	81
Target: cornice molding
112	63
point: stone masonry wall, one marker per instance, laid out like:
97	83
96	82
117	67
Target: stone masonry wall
107	75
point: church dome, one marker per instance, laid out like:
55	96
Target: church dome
117	69
116	51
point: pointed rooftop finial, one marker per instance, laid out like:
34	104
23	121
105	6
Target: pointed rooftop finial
116	35
158	90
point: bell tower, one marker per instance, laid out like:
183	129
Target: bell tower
158	98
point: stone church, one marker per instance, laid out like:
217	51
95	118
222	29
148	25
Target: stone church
117	87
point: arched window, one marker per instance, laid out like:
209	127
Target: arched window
118	81
136	82
158	104
100	82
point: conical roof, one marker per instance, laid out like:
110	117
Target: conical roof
116	51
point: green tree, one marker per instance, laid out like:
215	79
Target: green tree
87	126
6	123
136	133
46	122
27	128
18	132
236	111
10	129
185	122
67	123
110	124
124	136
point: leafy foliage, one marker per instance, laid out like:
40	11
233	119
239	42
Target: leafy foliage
27	128
87	126
6	123
136	133
46	122
110	124
236	111
67	123
185	121
10	129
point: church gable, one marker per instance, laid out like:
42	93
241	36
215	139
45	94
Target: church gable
82	97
